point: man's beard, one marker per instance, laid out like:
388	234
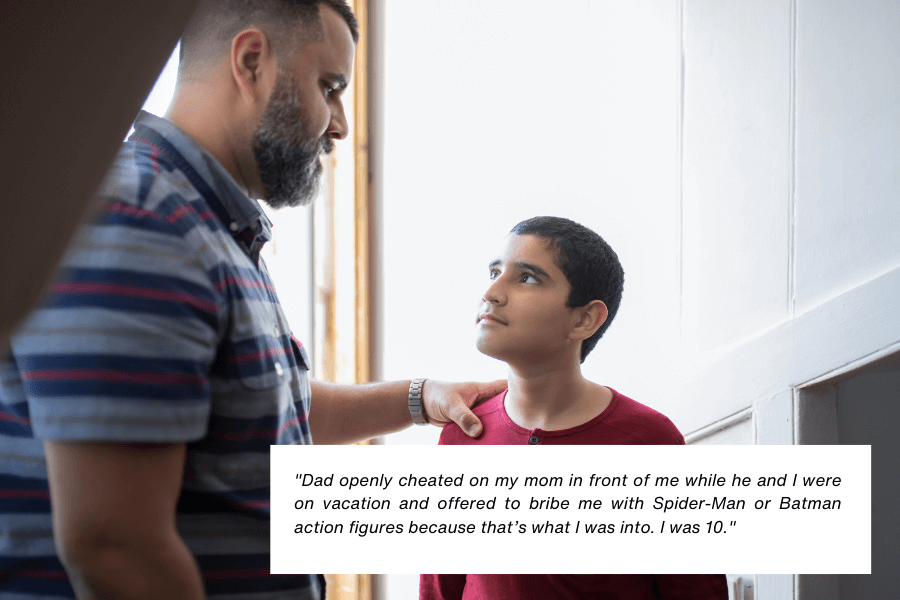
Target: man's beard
286	154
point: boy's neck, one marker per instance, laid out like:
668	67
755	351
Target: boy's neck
553	398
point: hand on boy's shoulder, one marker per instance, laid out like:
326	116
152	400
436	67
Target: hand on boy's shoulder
623	422
450	403
487	410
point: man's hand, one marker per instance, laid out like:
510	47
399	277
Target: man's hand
344	414
445	402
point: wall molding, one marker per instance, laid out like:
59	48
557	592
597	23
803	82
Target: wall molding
841	334
714	428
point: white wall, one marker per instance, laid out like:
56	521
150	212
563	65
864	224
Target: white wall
791	166
848	145
742	158
495	113
737	169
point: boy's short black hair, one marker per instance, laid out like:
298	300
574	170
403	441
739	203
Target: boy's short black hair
591	266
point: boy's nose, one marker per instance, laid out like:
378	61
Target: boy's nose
494	293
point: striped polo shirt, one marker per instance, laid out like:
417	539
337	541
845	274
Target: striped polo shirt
164	326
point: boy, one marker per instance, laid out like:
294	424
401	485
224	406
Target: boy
554	290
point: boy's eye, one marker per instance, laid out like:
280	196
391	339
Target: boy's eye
529	278
494	273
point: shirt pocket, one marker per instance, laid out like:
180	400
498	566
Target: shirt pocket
300	355
259	355
263	367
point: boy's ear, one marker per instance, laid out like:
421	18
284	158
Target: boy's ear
591	316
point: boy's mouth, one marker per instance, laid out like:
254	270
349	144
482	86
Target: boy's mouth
490	318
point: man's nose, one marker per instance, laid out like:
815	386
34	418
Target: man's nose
338	128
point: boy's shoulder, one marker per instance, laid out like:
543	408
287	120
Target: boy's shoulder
491	414
625	421
641	423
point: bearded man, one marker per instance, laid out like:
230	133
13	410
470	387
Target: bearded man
142	397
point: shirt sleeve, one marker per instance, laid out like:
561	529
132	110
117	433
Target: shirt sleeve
692	587
441	587
122	348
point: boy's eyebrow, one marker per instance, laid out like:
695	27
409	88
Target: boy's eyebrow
534	269
526	267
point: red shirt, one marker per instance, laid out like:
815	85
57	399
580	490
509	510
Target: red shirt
573	587
624	421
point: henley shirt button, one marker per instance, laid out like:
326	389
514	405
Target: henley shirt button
534	440
279	369
233	226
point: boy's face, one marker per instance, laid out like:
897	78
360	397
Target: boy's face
523	315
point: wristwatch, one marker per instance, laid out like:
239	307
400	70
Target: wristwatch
416	402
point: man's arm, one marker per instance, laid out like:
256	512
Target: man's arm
344	414
114	520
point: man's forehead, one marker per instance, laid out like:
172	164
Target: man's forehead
336	42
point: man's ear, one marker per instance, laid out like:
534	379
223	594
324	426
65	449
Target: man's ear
591	317
253	64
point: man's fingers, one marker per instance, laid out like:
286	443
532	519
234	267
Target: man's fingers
466	420
492	388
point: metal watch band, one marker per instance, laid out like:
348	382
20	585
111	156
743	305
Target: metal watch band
416	404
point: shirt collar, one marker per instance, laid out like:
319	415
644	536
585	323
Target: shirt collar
238	212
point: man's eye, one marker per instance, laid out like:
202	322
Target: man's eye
494	273
529	278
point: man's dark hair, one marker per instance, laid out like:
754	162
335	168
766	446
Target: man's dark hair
216	22
591	266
